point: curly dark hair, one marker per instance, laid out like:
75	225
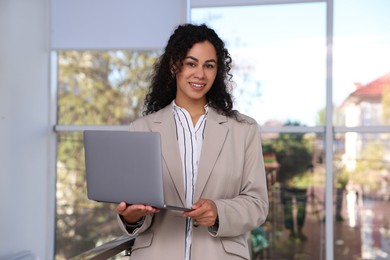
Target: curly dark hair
163	86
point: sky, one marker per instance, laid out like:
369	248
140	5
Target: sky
279	53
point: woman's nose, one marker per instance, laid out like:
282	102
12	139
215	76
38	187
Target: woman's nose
200	73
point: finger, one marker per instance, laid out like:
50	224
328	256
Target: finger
197	209
199	203
121	207
206	220
142	210
151	209
193	213
204	223
135	212
209	215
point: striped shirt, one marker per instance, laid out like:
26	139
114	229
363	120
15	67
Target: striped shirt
190	139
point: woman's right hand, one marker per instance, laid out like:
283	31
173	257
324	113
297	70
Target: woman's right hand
133	213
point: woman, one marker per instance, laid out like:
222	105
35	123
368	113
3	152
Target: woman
212	157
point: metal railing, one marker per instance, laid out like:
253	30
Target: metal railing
23	255
109	249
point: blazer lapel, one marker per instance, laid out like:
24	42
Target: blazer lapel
214	139
164	123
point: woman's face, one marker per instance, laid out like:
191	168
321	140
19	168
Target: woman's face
197	74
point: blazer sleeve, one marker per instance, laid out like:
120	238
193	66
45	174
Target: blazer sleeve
146	224
250	208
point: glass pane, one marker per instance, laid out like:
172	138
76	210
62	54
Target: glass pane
81	224
102	88
295	170
361	79
279	56
363	196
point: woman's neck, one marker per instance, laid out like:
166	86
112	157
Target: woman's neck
195	109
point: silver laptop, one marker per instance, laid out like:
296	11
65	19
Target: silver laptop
125	166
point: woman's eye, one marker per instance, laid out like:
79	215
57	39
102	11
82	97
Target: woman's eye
210	66
191	64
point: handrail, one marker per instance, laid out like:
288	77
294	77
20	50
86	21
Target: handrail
23	255
108	249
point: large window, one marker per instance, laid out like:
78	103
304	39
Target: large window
281	74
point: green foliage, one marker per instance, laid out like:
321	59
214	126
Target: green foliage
369	168
102	87
321	117
342	178
368	171
372	157
293	153
267	146
97	88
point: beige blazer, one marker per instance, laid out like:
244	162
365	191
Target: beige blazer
231	173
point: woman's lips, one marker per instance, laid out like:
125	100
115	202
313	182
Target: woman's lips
197	85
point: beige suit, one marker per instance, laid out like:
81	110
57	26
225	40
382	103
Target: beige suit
231	173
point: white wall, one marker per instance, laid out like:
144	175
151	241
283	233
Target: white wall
26	165
143	24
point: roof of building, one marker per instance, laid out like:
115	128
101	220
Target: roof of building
370	91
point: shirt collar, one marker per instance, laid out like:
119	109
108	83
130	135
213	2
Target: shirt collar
174	105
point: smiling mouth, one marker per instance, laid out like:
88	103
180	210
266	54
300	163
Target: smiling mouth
196	85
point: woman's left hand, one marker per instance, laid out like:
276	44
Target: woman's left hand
204	213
